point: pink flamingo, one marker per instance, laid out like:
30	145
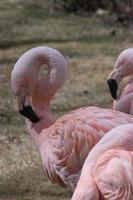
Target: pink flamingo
123	67
107	173
63	143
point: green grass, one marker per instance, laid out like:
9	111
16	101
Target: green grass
91	50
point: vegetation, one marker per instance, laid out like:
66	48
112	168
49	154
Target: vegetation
90	44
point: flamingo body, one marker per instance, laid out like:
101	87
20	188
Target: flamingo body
65	145
107	173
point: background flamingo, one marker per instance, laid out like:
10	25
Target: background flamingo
123	67
107	173
65	143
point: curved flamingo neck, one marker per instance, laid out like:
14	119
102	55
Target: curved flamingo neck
45	87
36	128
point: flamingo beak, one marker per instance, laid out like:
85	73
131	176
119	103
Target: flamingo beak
113	86
26	110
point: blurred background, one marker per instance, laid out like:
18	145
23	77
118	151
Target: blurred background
90	34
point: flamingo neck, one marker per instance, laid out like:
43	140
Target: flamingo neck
46	87
45	121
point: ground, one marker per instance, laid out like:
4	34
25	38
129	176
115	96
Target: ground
90	44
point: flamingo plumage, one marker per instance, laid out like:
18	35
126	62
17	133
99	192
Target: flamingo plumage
63	143
123	67
107	173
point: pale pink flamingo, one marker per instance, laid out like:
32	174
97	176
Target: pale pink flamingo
63	143
123	67
107	173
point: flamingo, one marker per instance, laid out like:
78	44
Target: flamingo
107	173
123	67
63	143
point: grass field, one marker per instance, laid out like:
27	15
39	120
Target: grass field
91	50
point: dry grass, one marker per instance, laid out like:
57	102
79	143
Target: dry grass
90	49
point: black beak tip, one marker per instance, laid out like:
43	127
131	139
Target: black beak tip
113	87
29	113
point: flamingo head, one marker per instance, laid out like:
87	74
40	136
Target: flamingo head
23	81
123	67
